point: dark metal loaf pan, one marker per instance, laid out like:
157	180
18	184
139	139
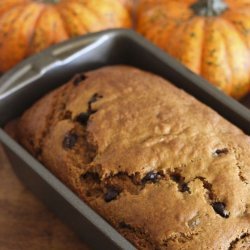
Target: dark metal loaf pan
23	85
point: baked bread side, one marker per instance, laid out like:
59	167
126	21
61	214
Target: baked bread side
164	169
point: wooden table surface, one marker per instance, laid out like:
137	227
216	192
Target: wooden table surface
25	223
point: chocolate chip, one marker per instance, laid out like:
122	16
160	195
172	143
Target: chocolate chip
176	177
78	79
83	118
151	177
123	224
91	177
93	99
220	208
222	151
111	194
184	188
70	140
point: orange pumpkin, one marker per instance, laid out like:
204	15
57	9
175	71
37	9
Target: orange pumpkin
211	37
28	26
128	3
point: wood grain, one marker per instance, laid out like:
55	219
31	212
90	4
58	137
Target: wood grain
25	223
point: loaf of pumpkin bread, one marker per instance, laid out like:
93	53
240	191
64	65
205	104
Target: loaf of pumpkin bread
164	169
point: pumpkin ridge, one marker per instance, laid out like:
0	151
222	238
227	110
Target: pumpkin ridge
34	25
120	7
2	18
61	22
58	9
95	18
202	43
206	60
45	33
18	50
33	33
76	14
101	19
202	70
235	27
11	6
174	42
228	60
66	13
95	14
238	83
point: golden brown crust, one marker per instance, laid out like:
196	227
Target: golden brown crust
167	171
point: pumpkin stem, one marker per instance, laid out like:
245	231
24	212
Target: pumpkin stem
209	7
48	1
